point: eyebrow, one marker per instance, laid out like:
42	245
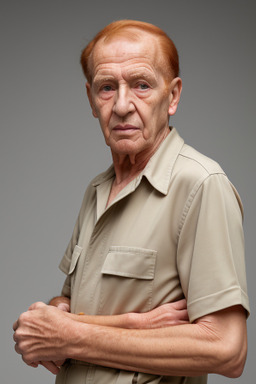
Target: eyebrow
140	73
99	79
131	73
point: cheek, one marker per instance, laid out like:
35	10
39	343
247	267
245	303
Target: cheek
160	111
103	111
150	112
155	118
104	120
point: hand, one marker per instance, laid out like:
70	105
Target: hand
38	338
52	366
164	316
62	303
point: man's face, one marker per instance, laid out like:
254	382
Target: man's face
129	94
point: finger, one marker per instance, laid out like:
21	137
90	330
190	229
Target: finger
59	363
38	304
17	349
51	366
14	337
183	315
34	365
180	304
15	325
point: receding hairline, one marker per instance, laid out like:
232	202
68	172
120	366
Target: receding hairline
131	29
133	36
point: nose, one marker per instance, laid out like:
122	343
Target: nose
123	104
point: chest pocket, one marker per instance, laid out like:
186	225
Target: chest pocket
127	279
137	263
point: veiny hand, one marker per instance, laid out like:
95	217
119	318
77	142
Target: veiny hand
62	303
38	334
163	316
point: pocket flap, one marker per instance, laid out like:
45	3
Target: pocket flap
138	263
75	256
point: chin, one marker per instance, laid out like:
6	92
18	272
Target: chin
126	147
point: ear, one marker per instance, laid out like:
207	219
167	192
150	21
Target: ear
89	94
175	92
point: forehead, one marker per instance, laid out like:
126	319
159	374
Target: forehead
124	50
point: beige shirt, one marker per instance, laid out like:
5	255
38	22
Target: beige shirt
174	231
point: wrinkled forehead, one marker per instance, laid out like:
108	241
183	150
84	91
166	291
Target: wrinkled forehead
135	44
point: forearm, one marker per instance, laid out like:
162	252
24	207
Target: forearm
187	350
216	343
117	321
126	320
165	351
167	314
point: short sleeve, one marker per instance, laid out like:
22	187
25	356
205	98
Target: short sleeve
64	265
210	254
66	259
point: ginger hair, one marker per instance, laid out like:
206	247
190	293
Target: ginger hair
128	29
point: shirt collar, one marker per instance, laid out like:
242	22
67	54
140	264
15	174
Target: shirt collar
159	168
102	177
158	171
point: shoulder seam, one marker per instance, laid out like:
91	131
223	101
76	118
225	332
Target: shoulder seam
191	197
219	171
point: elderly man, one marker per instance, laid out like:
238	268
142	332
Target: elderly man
161	225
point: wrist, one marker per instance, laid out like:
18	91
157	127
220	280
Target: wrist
134	320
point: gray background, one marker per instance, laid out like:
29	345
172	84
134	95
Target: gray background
51	146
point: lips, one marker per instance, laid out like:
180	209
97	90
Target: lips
125	128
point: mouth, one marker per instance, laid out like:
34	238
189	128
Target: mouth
127	128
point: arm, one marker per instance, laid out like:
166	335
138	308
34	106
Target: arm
215	343
165	315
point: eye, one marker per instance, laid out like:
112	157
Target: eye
107	88
143	86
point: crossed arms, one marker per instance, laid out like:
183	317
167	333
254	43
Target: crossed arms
161	341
